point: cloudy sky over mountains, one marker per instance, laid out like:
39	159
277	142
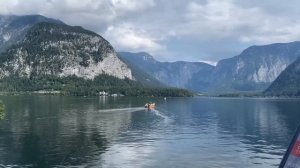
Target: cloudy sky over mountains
191	30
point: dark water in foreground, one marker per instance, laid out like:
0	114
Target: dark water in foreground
54	131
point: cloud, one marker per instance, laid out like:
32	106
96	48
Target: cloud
226	19
177	30
209	62
125	36
221	19
132	5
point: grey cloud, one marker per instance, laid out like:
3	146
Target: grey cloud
190	30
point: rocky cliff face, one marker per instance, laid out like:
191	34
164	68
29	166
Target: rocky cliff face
54	48
255	68
287	83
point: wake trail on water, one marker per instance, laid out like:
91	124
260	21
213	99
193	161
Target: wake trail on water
122	110
165	118
161	115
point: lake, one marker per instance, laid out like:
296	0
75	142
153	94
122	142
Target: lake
58	131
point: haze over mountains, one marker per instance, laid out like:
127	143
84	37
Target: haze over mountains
34	45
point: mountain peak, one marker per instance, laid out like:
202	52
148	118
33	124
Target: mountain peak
14	21
13	28
147	57
274	49
53	48
139	56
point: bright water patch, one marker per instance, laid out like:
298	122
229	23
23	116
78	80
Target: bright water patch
129	110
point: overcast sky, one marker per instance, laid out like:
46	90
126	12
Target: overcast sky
191	30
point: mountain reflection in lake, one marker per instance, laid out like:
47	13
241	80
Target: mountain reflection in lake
49	131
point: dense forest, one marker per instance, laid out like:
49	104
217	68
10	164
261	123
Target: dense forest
77	86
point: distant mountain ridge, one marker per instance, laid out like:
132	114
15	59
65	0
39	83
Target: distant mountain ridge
256	67
142	76
175	74
252	70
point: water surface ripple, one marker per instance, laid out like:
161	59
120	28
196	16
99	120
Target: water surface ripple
56	131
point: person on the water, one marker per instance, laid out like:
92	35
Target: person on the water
150	105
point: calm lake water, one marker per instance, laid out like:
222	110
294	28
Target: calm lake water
57	131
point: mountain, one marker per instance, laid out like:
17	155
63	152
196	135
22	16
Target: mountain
34	45
175	74
252	70
287	83
51	48
44	55
255	68
13	28
140	75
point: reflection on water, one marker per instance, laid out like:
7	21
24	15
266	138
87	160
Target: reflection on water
42	131
2	110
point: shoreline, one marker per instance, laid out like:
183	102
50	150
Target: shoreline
59	93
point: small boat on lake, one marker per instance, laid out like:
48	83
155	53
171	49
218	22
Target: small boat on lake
150	105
